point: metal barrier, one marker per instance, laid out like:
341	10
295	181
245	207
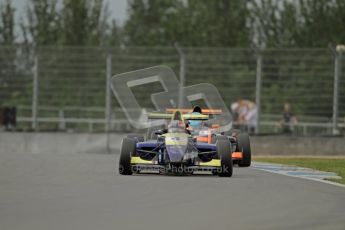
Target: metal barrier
61	88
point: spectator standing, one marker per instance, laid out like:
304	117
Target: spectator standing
246	114
289	120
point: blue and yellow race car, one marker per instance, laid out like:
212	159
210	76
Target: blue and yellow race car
175	150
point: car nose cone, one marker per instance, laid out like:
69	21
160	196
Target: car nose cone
176	152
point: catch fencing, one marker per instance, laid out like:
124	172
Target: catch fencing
68	88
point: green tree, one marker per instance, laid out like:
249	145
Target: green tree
84	22
191	23
114	36
303	23
323	23
78	22
217	23
7	36
275	23
147	22
7	53
43	23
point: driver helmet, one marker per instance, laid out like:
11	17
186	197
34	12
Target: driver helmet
194	123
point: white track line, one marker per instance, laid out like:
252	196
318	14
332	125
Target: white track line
284	169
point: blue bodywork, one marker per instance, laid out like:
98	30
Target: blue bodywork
154	143
174	153
147	144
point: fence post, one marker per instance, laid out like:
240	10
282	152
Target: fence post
258	83
108	99
182	74
35	92
338	53
62	123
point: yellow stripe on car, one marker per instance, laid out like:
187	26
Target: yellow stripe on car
138	160
214	162
176	139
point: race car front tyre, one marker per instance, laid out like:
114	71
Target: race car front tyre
243	145
224	153
127	149
137	138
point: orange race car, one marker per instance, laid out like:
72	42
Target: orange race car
240	142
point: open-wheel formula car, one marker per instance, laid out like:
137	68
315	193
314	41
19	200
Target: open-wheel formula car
175	150
240	142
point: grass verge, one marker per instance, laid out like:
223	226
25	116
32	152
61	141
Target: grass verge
336	165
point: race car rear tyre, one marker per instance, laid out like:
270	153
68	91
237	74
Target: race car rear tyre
224	153
243	145
136	136
127	149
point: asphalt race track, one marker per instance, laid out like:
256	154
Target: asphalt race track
84	191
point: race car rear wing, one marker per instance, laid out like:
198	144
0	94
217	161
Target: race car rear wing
158	115
204	111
